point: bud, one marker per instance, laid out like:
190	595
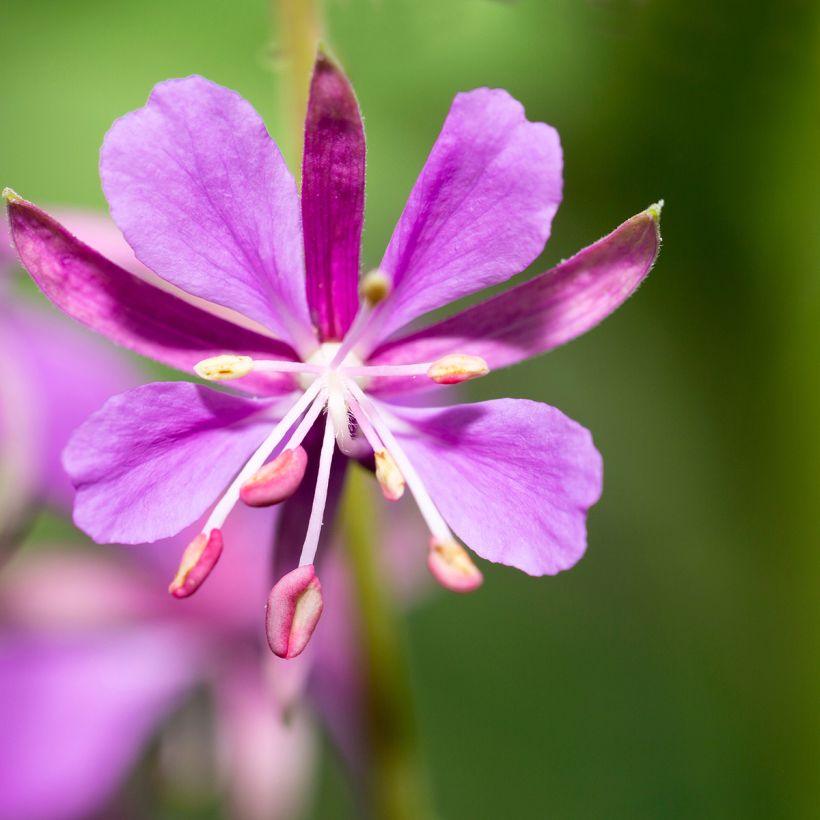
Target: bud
456	368
277	480
294	607
389	476
452	567
220	368
375	287
198	560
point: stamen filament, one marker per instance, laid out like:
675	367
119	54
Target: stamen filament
388	370
438	527
231	496
375	288
276	366
320	495
365	426
307	422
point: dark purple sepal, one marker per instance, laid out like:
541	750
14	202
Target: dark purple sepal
332	199
131	311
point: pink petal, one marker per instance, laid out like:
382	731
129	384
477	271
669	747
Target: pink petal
332	199
75	714
480	211
204	198
513	478
152	460
128	310
538	315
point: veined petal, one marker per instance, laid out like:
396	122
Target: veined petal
332	199
480	211
129	310
513	478
540	314
152	460
75	714
204	198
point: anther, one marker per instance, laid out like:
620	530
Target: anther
277	481
457	368
220	368
452	567
198	560
375	287
389	476
293	610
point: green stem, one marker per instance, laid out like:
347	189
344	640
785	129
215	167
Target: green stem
396	785
300	31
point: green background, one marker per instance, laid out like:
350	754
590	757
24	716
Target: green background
674	672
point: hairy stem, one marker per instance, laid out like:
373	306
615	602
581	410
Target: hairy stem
397	788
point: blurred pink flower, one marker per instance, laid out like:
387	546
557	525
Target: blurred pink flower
94	657
54	374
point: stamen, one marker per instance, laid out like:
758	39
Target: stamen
293	610
427	508
276	366
231	496
375	288
452	567
198	560
221	368
320	496
277	480
376	370
389	476
457	368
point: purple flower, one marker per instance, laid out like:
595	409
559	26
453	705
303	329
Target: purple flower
54	375
94	659
203	197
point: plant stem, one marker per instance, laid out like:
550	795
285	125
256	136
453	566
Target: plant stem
300	31
396	786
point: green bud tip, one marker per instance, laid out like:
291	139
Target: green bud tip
11	196
655	210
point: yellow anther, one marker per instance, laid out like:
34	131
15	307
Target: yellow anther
456	368
375	287
220	368
389	476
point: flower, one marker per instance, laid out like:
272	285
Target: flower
54	375
94	659
203	197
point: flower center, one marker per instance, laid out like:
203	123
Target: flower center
323	358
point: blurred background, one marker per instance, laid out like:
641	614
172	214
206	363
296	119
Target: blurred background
674	673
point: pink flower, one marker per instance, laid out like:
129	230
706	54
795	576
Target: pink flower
94	659
203	196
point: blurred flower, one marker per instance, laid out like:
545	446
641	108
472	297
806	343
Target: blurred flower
94	658
54	375
203	196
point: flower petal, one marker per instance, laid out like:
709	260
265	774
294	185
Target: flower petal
152	460
540	314
75	714
128	310
332	199
204	198
480	211
513	478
